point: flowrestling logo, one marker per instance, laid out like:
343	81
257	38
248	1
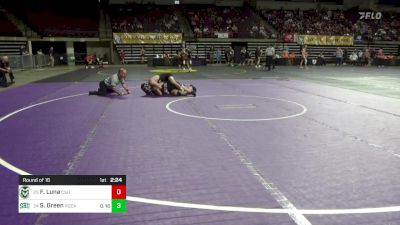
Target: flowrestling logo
370	15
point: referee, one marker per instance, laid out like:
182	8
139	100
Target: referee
270	52
111	84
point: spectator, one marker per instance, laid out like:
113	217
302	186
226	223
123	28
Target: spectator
243	56
304	57
89	61
380	56
144	18
51	56
249	59
258	57
321	59
122	56
142	55
345	56
334	22
230	55
237	22
367	55
4	70
40	58
218	56
353	57
166	55
22	50
360	56
339	56
211	54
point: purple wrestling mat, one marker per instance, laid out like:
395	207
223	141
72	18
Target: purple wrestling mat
261	145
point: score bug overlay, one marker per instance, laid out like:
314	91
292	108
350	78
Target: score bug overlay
72	194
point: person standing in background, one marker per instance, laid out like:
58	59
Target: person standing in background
339	56
270	53
51	56
230	54
122	56
258	57
39	58
4	70
218	56
321	59
367	55
22	50
345	56
211	55
226	53
380	56
142	55
243	56
304	55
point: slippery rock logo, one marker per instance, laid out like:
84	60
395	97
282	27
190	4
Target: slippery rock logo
24	192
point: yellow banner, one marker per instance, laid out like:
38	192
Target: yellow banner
325	40
147	38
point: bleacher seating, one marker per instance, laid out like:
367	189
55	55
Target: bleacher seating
309	21
7	28
207	22
11	47
52	19
144	18
334	22
202	49
132	52
57	25
199	50
386	29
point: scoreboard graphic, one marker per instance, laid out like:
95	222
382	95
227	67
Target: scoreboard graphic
72	194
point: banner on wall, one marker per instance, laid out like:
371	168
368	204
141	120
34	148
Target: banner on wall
223	35
325	40
147	38
289	37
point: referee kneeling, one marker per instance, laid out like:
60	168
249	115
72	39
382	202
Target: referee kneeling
111	83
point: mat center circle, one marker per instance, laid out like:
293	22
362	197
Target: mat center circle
241	108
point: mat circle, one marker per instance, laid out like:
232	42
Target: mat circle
303	111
